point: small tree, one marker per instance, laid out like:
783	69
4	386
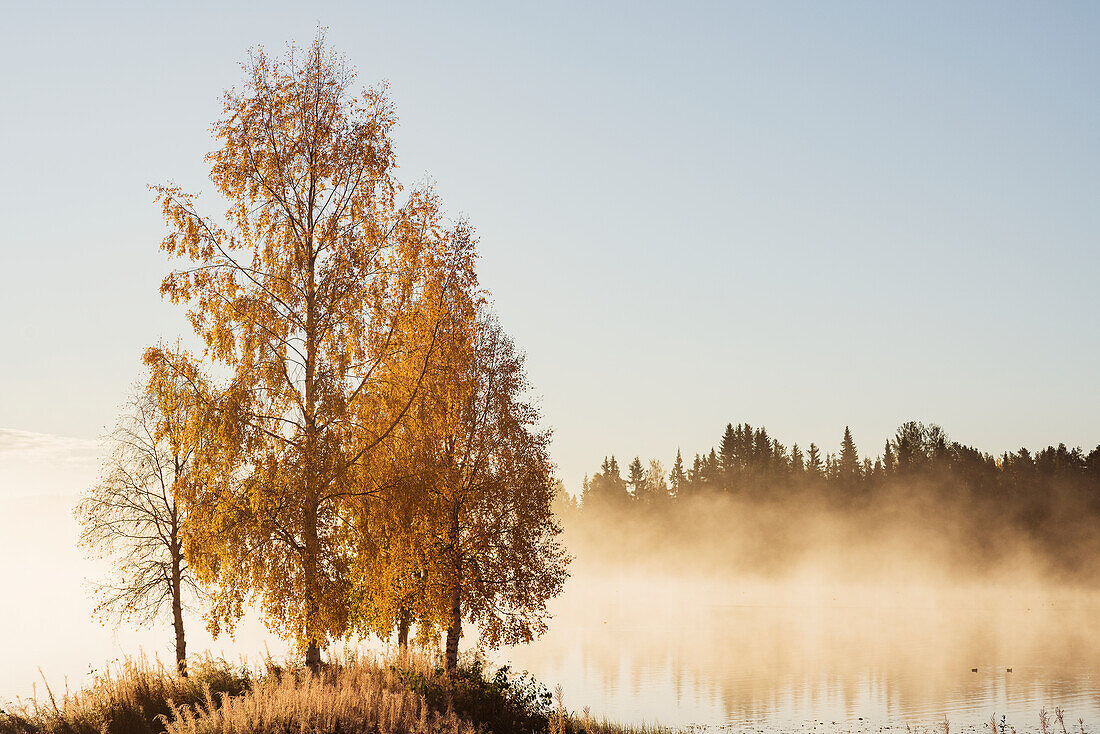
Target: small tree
797	464
636	478
656	489
813	462
606	490
132	516
889	461
848	464
729	456
677	478
564	505
488	475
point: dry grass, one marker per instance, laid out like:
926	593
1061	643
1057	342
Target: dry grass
409	695
143	698
359	697
132	700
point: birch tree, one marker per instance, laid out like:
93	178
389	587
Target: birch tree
132	515
487	471
313	297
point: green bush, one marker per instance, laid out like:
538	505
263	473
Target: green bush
501	702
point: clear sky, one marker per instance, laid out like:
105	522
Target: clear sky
806	215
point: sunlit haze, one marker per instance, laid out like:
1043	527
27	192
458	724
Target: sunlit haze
798	301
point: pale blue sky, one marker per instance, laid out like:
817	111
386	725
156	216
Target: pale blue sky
800	214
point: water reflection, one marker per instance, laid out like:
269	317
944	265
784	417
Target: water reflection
790	654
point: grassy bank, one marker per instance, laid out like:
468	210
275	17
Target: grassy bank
406	695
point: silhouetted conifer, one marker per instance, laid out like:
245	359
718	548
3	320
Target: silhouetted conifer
848	465
677	478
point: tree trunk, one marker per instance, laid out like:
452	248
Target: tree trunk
313	606
404	620
454	631
313	657
177	614
313	611
311	477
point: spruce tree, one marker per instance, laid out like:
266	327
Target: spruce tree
848	464
797	465
606	488
813	462
636	478
889	461
695	476
761	449
676	478
780	462
711	470
610	468
727	455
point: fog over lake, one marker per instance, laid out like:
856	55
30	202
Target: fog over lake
676	647
795	652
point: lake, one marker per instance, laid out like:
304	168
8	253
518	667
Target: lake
802	652
798	653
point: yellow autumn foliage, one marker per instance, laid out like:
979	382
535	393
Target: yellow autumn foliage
365	457
316	297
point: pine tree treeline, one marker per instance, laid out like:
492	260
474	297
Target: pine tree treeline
749	461
1047	500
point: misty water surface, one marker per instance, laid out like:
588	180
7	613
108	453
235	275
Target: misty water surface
794	652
